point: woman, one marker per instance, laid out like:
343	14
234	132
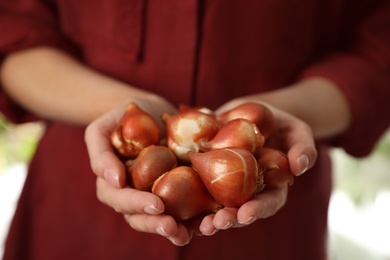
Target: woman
322	67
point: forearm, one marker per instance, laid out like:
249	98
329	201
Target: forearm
316	101
56	86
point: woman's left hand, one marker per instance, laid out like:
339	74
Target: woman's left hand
292	136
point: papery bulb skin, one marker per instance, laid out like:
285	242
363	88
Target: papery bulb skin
185	129
230	175
239	133
151	163
135	131
183	194
275	167
254	112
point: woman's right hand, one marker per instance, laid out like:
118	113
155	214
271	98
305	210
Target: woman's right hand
142	210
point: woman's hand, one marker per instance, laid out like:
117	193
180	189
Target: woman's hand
292	136
142	210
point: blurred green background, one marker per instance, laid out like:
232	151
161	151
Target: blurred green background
17	142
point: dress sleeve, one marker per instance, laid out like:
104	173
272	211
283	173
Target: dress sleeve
362	71
25	24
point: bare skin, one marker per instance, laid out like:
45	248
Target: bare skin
304	111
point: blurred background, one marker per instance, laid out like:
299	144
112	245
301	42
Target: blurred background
359	213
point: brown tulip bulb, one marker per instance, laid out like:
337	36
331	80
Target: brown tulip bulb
275	168
254	112
184	130
184	108
239	133
230	175
183	194
151	163
135	131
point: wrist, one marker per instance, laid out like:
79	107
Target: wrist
321	104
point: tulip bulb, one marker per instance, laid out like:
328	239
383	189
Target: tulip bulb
231	175
254	112
184	108
275	167
184	130
135	131
239	133
183	194
151	163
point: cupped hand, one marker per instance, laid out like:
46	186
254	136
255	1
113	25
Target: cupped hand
264	205
142	210
292	136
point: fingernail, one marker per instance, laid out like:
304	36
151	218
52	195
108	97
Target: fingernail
172	239
111	177
161	231
248	221
228	225
215	231
152	210
198	233
303	164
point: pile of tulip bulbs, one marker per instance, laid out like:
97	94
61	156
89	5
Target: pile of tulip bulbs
205	162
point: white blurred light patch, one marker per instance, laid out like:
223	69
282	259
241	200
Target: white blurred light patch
11	183
361	232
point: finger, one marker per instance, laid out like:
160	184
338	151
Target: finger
163	225
104	162
297	139
264	205
207	226
302	153
225	218
183	235
194	224
128	200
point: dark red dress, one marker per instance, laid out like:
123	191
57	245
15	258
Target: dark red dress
199	52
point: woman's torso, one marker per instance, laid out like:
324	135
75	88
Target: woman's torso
193	52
